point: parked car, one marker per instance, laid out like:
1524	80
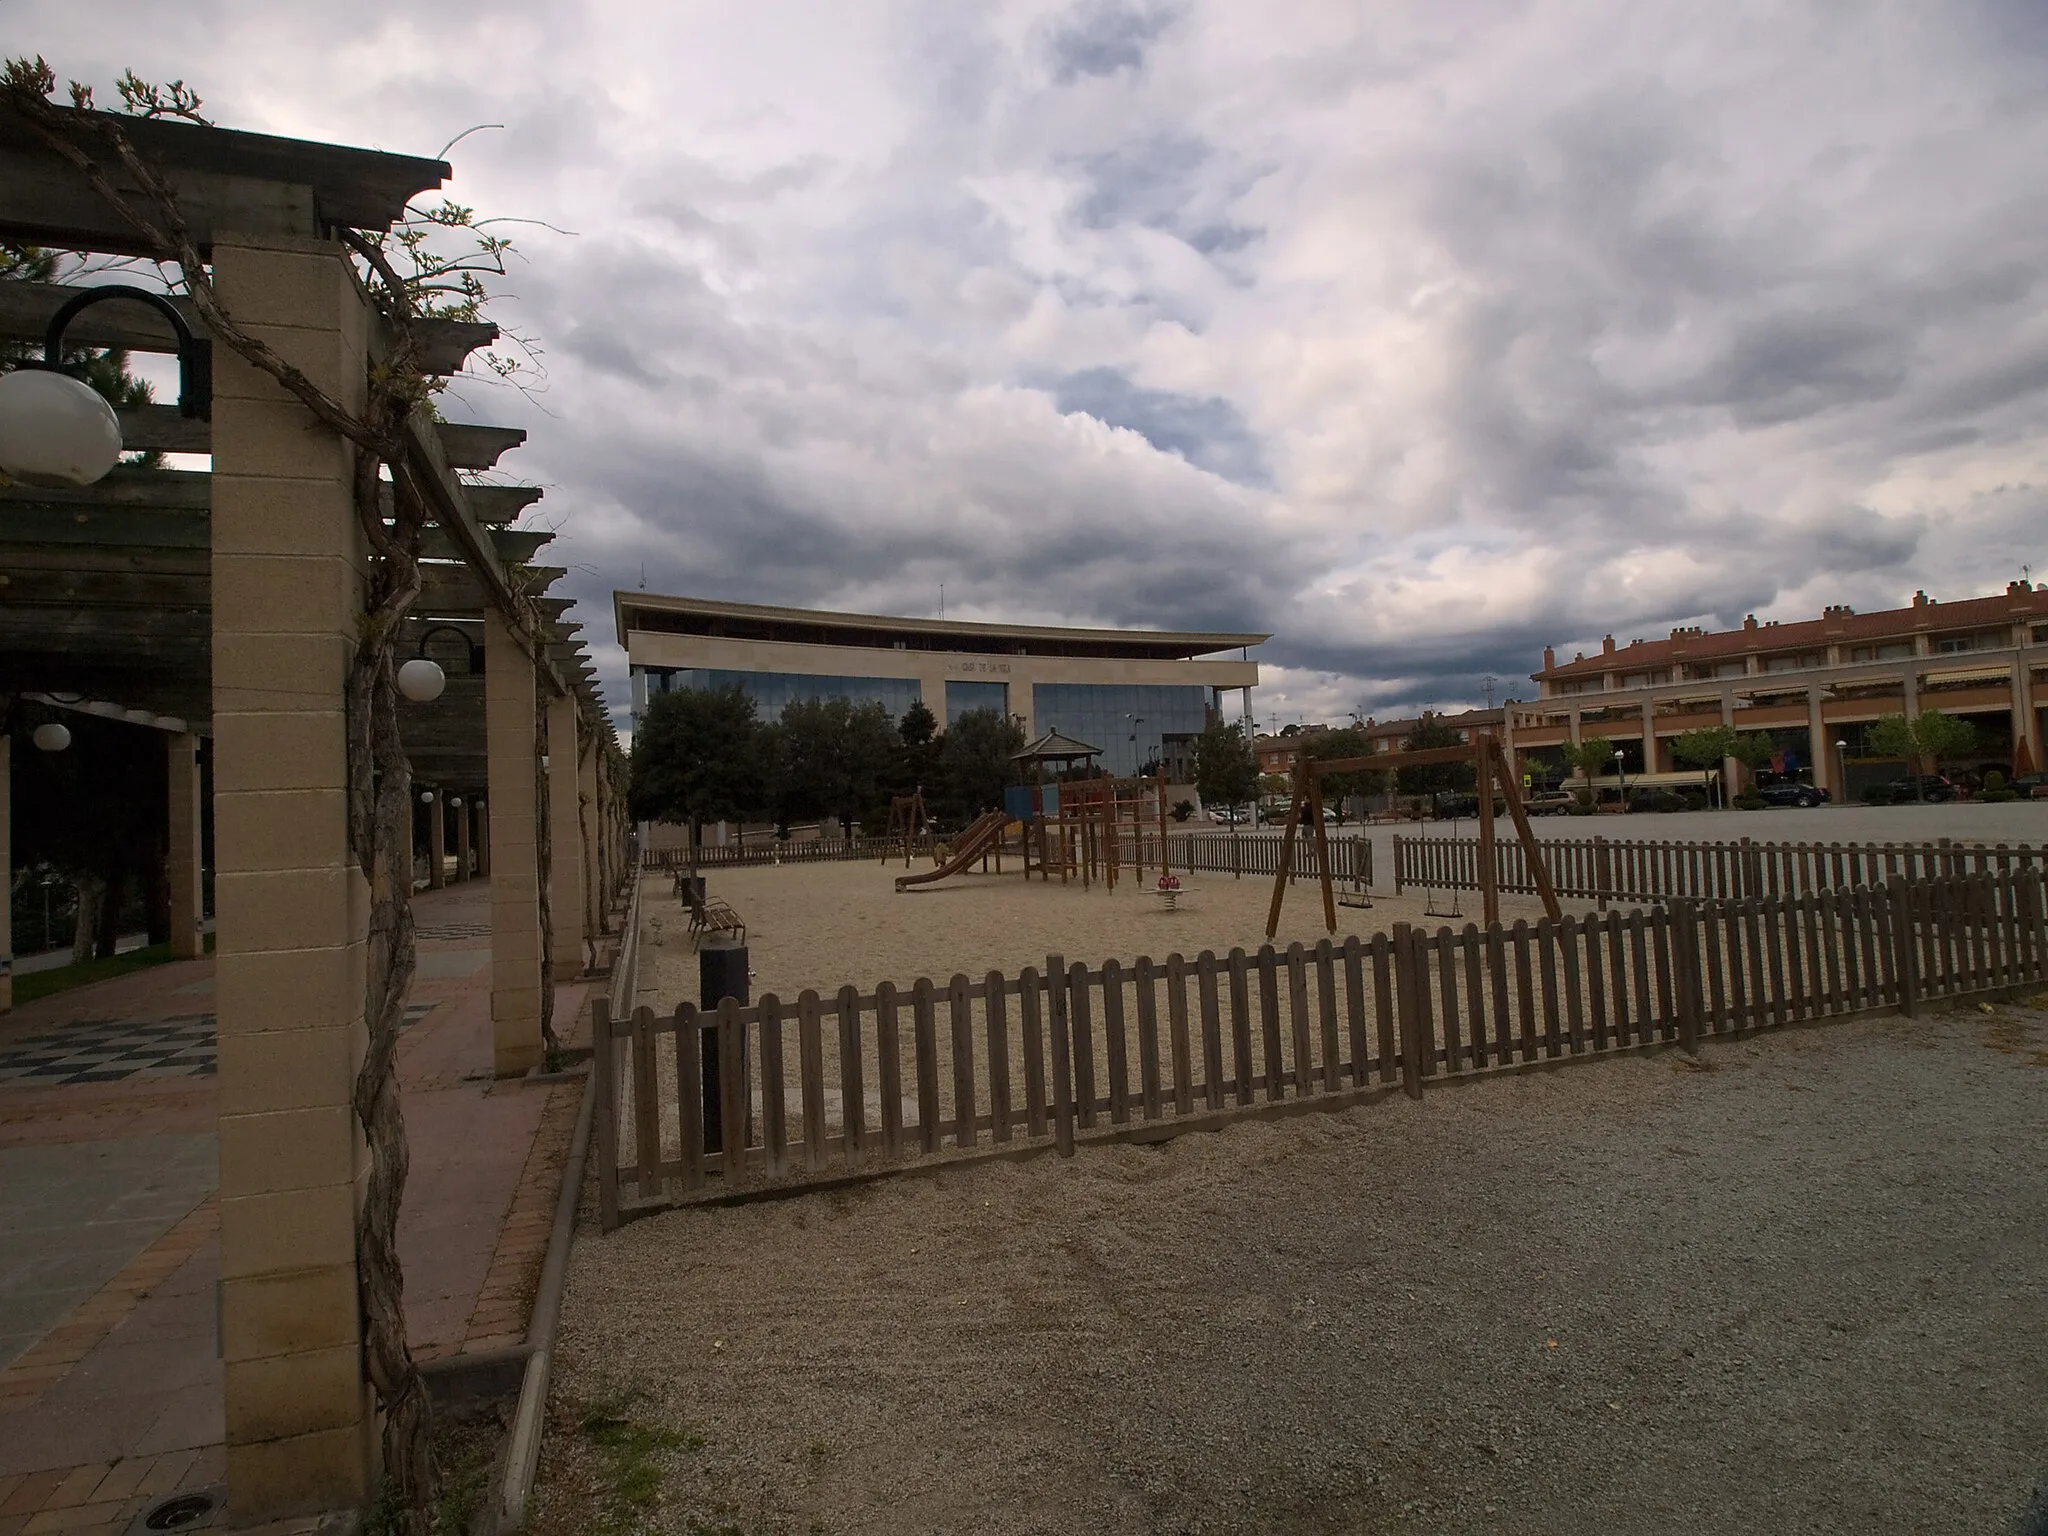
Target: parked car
1791	792
2032	786
1229	815
1931	787
1549	802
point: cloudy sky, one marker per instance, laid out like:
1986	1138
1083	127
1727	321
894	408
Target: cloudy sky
1421	336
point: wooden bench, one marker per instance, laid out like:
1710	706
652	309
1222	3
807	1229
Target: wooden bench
707	913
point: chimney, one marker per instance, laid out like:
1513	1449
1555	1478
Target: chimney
1607	646
1549	657
1921	599
2016	588
1749	621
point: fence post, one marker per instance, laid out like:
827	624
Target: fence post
1056	984
1398	864
606	1086
1905	951
1603	871
1686	951
1406	998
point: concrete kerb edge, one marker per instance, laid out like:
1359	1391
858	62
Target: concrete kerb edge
507	1513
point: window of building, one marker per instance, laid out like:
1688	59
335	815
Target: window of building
1897	650
1126	720
963	697
773	691
1792	663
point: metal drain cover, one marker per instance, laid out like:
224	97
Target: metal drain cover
194	1509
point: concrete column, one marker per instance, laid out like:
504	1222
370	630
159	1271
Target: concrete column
514	855
565	842
437	839
1820	751
1731	768
483	839
465	813
292	905
2026	720
188	892
1573	722
592	819
1650	763
6	871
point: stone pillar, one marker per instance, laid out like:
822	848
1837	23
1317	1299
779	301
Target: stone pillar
565	842
6	871
590	835
1650	763
188	892
514	854
437	840
465	813
1819	750
292	906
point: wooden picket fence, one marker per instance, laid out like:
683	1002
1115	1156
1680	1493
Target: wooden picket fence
1627	869
857	1083
1208	852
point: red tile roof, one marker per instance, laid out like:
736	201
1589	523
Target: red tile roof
1835	626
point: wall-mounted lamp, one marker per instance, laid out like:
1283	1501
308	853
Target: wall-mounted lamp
426	797
57	430
51	736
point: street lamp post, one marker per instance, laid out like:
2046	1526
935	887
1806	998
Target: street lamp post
1842	770
1621	780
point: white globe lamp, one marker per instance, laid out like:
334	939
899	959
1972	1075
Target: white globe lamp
422	680
55	430
51	736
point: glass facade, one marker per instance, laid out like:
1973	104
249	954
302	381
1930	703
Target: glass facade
962	697
1126	720
771	691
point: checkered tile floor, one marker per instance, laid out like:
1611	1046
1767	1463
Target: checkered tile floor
454	931
111	1050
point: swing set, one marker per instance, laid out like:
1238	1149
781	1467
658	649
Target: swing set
1484	753
906	820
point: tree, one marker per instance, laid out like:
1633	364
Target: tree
918	725
1433	779
831	758
976	762
1226	772
1929	735
697	758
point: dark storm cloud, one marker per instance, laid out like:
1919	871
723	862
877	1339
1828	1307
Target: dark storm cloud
1101	39
1209	433
1421	337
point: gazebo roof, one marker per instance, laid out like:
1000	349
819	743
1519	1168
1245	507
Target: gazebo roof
1052	747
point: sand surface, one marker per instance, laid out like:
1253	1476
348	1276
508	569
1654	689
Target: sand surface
830	925
1799	1286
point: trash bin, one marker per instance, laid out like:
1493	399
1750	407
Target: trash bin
721	973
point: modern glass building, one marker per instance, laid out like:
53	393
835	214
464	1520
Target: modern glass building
1123	690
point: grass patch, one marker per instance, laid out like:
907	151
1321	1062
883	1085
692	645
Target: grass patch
64	977
466	1451
628	1452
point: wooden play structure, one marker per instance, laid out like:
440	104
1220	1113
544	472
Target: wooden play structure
1082	828
907	820
1484	753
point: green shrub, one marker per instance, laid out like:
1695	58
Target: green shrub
1662	801
1994	780
1877	794
1182	810
1581	806
1997	796
1749	800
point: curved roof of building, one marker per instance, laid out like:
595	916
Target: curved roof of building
648	611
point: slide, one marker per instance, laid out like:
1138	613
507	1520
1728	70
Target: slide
979	838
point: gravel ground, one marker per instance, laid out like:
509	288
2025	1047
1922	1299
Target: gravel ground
1799	1287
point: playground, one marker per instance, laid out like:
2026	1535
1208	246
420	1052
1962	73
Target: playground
830	924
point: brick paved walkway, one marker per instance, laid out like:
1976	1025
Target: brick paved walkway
110	1393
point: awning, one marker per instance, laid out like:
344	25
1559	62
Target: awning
1960	679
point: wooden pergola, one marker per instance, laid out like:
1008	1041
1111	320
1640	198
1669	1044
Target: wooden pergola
1486	757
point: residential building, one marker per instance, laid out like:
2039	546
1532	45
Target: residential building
1809	685
1139	695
